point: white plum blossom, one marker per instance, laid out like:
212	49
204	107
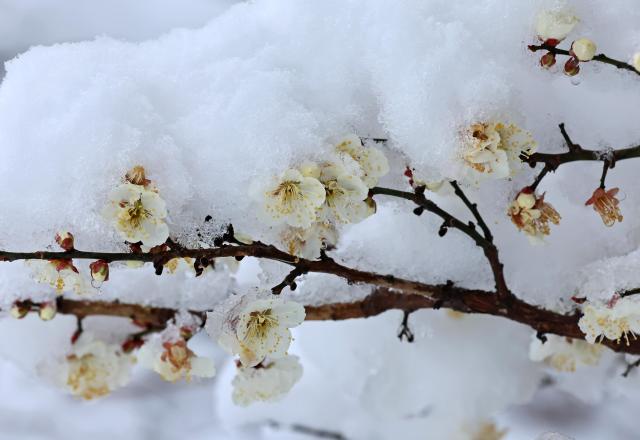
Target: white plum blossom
92	369
138	214
372	161
61	275
564	354
492	149
267	381
168	355
259	328
307	243
616	320
346	195
294	199
555	24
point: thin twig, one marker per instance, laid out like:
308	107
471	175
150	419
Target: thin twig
577	153
602	58
605	168
405	331
630	367
473	207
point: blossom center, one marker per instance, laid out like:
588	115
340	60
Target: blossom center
136	213
288	192
259	324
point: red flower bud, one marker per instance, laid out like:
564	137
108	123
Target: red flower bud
571	67
65	240
132	344
99	271
548	60
19	309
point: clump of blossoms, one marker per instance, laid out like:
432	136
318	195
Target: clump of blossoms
532	215
606	204
553	26
259	328
312	199
137	211
564	354
614	320
168	355
267	381
60	274
492	149
93	368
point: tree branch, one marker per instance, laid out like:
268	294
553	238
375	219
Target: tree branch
504	295
379	301
602	58
576	153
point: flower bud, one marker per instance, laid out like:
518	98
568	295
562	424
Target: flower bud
583	49
526	200
243	238
47	311
65	240
19	309
132	344
99	271
571	67
186	333
548	60
137	176
636	61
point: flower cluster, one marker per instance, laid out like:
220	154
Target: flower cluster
137	211
532	215
564	354
267	381
614	320
553	26
169	356
492	149
311	200
260	328
606	204
93	368
257	331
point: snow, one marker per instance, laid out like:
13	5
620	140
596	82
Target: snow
214	98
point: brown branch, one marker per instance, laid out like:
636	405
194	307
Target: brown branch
576	153
504	295
379	301
602	58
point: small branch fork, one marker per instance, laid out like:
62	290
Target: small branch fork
552	161
484	240
602	58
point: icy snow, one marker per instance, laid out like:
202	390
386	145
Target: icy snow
265	85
